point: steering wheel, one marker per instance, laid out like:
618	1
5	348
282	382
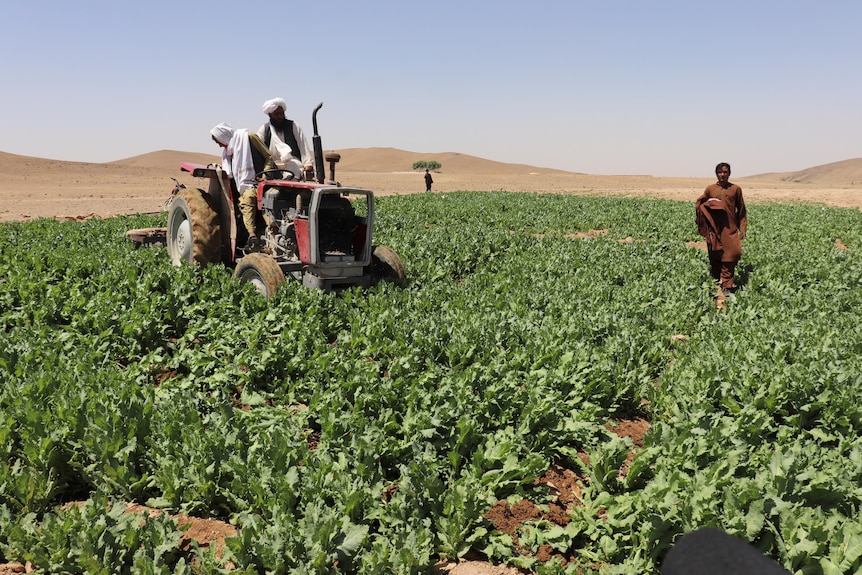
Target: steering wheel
279	174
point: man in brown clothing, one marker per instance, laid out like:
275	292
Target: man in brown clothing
722	219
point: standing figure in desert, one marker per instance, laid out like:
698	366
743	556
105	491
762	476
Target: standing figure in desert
722	220
428	181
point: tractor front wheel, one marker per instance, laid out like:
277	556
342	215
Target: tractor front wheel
386	265
194	233
261	271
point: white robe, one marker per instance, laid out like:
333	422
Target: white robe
237	161
281	153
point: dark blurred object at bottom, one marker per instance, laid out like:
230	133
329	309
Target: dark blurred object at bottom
710	551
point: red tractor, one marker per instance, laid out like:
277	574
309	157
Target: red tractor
315	232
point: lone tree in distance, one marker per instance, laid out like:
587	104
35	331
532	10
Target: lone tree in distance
426	165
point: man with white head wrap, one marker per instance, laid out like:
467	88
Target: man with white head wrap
243	156
285	140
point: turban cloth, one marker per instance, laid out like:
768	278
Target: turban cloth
222	133
270	105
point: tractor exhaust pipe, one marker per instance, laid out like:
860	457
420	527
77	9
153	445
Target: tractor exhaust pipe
319	169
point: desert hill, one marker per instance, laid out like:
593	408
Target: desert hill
378	160
168	159
359	160
373	160
37	187
843	173
395	160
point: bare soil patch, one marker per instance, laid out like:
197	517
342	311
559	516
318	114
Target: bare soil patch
565	487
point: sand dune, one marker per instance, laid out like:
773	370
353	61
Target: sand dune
394	160
843	173
168	160
383	160
38	187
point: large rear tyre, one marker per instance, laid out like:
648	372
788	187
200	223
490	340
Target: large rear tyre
194	233
261	271
386	265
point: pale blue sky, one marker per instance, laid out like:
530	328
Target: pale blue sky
667	88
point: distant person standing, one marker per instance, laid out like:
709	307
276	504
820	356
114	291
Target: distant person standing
428	181
286	141
722	219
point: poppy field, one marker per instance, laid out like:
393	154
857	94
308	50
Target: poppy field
475	410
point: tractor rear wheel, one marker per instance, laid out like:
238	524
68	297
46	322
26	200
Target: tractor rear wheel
386	265
194	233
261	271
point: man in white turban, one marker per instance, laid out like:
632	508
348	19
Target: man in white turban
285	140
243	156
